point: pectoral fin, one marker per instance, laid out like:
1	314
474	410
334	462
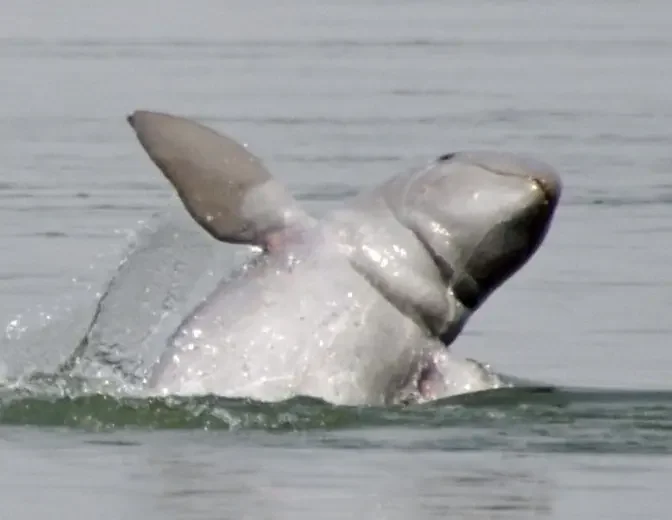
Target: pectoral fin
224	187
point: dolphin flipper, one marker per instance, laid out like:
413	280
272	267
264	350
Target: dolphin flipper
224	187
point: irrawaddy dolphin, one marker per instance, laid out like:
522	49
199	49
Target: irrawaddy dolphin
358	307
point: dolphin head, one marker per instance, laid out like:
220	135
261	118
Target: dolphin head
480	215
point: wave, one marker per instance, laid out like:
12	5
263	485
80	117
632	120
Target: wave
531	418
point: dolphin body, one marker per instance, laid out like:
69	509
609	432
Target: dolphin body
357	308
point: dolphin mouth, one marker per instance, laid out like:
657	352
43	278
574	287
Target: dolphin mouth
550	186
545	179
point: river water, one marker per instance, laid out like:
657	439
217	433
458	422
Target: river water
335	97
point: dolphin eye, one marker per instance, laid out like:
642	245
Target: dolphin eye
446	157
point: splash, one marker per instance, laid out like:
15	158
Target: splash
168	266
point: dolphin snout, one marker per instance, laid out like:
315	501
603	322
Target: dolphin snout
550	185
508	164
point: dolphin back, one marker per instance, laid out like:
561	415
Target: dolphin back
224	187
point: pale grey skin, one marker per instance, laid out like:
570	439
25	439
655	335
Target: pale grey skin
359	307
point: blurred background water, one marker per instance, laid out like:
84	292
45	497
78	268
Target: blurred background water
337	96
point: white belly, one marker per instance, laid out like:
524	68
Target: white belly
317	330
